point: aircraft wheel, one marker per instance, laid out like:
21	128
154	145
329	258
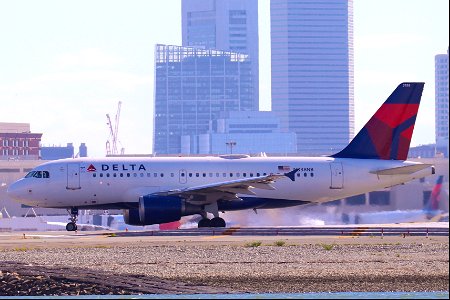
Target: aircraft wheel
205	222
218	222
71	226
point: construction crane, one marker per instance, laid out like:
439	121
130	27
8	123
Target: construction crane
111	143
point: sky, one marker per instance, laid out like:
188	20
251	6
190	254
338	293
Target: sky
65	64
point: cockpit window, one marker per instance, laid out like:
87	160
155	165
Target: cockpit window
38	174
30	174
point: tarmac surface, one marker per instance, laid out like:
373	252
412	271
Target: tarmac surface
233	235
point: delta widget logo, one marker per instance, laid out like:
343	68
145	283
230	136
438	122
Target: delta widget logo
91	168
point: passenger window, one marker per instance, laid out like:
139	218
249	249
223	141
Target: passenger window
264	174
94	175
128	175
224	174
172	175
182	174
304	174
197	174
107	174
257	174
204	174
231	174
101	174
210	174
312	174
155	174
298	174
251	174
114	175
244	174
217	175
148	174
162	174
142	175
121	174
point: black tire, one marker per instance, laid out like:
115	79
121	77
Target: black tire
204	223
71	226
218	222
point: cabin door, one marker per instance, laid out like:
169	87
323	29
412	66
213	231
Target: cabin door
337	176
73	176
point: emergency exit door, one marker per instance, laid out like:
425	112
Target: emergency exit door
337	176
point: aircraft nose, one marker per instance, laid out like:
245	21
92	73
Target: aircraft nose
15	190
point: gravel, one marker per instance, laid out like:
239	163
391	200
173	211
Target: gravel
199	268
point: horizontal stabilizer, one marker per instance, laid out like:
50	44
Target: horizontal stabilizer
402	170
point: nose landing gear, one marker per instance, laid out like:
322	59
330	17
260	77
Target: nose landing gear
72	225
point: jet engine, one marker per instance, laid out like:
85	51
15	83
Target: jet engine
154	209
131	217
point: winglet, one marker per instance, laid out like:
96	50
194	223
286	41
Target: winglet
291	174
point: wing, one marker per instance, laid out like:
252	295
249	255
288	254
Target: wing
227	190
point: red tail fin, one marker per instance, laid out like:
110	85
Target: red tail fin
388	133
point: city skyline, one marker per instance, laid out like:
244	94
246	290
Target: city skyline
63	67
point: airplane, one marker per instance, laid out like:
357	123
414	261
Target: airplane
155	190
429	213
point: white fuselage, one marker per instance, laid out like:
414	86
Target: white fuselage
85	182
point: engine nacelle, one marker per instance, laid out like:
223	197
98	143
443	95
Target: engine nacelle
131	217
159	209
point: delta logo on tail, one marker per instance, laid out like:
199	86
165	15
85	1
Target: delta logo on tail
435	194
431	207
388	133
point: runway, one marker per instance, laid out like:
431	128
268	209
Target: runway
233	235
424	229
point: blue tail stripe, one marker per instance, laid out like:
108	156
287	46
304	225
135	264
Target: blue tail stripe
396	136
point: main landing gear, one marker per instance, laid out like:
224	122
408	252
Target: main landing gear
214	222
72	225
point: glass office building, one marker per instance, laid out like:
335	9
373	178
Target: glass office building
230	25
192	87
312	72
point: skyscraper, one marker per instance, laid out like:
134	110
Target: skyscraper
312	72
192	87
441	106
229	25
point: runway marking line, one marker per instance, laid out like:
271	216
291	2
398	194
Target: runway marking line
213	237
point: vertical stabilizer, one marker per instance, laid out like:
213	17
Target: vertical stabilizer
388	133
433	203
